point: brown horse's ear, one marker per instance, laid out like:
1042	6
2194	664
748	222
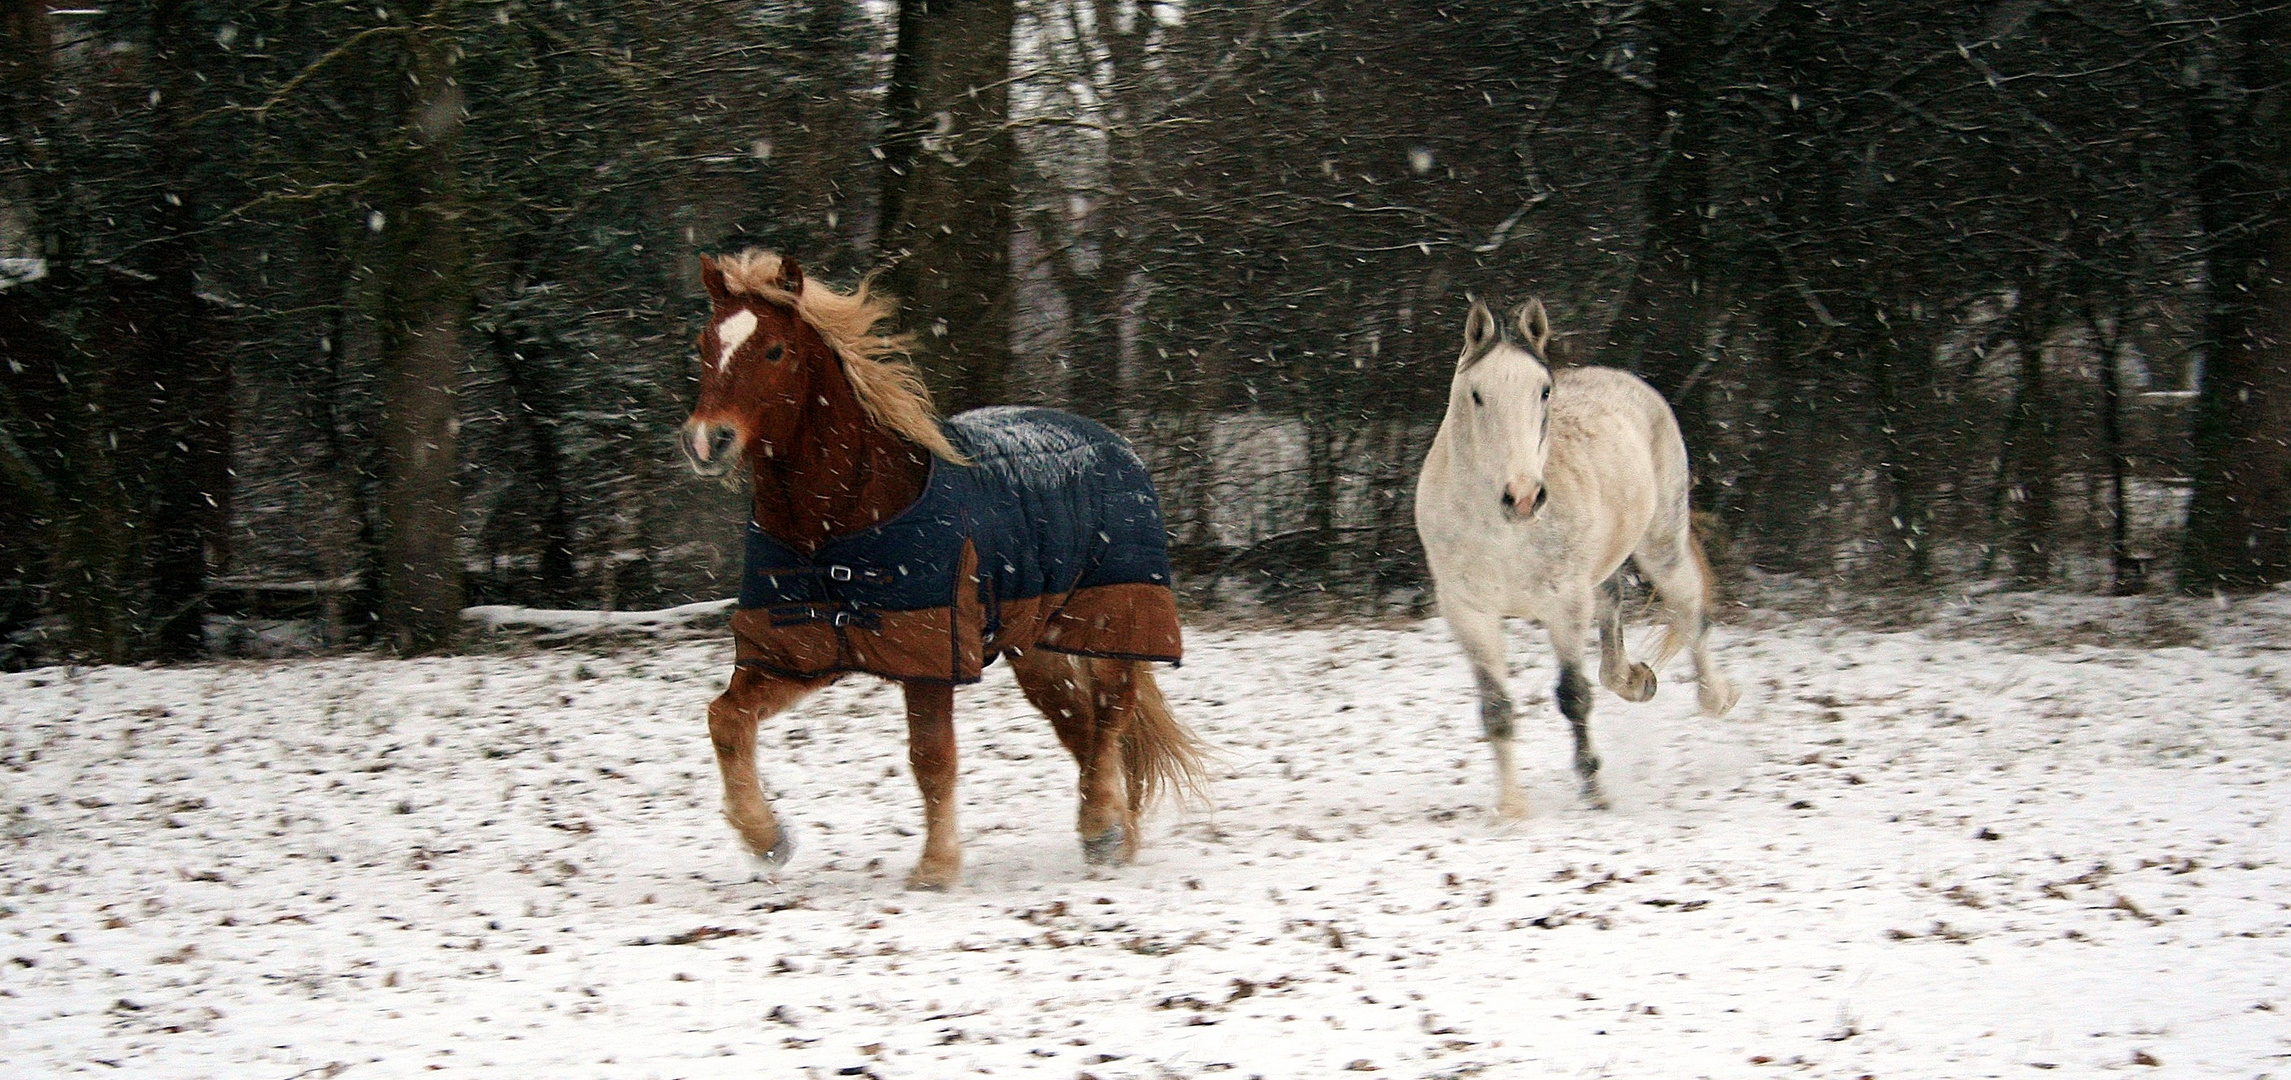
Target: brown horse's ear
791	276
712	277
1533	325
1480	334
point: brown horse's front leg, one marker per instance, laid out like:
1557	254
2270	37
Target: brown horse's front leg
931	753
732	719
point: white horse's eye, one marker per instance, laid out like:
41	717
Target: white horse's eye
1546	393
1476	398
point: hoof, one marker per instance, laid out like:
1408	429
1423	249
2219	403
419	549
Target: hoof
1641	685
1104	849
920	882
777	855
1718	697
1594	796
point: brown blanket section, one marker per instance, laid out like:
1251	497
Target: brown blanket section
1134	621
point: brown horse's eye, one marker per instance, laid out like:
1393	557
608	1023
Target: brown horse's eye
772	353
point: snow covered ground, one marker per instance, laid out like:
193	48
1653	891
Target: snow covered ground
2024	840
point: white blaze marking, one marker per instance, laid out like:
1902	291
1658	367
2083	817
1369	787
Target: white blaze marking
733	332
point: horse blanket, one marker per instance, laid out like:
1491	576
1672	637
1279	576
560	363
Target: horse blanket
1051	538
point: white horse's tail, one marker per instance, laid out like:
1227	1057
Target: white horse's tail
1672	640
1666	647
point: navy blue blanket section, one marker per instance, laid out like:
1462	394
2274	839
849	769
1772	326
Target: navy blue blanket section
1053	502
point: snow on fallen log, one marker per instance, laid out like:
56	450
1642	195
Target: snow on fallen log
554	624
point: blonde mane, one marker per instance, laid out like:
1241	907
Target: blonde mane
888	386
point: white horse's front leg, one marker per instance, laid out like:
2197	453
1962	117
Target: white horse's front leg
1480	633
1569	625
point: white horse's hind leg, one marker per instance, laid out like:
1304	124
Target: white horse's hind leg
1480	633
1569	627
1630	681
1681	576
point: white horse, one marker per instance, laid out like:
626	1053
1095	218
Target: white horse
1538	486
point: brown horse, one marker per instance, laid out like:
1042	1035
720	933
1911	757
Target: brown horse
888	541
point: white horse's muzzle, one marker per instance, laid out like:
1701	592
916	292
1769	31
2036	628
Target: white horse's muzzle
1523	499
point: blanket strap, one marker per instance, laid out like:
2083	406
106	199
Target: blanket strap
801	614
873	575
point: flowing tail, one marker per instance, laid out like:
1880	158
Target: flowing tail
1160	755
1672	641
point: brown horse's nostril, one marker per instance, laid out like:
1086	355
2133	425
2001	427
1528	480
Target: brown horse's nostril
709	448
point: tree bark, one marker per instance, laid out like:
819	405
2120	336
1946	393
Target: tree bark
1100	295
61	408
2127	576
1658	325
948	192
26	51
554	583
1902	376
2029	451
421	294
190	374
2239	513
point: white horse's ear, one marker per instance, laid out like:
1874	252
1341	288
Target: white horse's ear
1480	334
1533	325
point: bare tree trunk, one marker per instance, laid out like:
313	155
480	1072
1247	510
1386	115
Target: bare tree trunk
27	47
1794	463
1902	374
190	375
554	585
1658	327
422	298
2127	576
2029	452
1788	472
66	457
1324	463
27	341
2239	514
2239	518
1101	294
948	192
1399	553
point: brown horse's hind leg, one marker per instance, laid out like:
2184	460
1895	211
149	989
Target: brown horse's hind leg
732	719
931	753
1630	681
1090	702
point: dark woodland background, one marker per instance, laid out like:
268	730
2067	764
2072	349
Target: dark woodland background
356	314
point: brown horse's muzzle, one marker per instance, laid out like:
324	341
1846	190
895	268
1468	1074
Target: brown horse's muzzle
712	449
